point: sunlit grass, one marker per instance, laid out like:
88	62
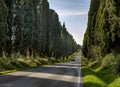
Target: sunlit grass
93	81
100	77
8	65
8	71
115	83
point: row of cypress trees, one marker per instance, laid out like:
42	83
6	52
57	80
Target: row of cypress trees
103	32
31	28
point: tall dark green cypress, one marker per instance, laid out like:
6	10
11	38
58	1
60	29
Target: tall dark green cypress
17	26
103	31
32	29
44	25
10	18
3	26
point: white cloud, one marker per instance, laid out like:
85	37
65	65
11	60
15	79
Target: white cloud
71	12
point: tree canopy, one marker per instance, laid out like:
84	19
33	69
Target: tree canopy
103	32
31	28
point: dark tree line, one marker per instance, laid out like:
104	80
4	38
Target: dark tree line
31	28
103	31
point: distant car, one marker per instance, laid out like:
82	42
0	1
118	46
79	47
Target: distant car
73	60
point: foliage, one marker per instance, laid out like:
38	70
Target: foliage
103	28
33	29
100	77
13	64
101	45
117	65
108	61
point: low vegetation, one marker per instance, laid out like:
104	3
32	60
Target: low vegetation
15	64
101	45
107	74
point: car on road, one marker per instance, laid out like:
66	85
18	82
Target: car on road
73	60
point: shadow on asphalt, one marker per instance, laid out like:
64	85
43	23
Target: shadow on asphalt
38	82
73	64
60	69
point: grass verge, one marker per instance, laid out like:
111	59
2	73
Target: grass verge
8	65
100	77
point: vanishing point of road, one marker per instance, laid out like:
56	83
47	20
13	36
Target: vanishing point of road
58	75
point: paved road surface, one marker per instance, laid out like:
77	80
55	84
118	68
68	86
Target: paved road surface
58	75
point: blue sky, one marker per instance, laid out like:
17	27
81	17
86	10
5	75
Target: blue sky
75	15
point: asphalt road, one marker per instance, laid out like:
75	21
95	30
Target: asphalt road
58	75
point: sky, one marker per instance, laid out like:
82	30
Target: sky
75	15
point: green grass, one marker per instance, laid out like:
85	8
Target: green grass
104	74
8	65
115	83
100	77
7	71
93	81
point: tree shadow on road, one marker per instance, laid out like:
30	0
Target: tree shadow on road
60	69
26	81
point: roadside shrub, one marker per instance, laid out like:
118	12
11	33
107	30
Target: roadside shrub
84	61
59	60
108	60
37	62
24	64
52	60
117	63
44	61
72	56
17	64
5	64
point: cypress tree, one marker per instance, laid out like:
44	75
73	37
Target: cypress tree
32	29
102	35
3	26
